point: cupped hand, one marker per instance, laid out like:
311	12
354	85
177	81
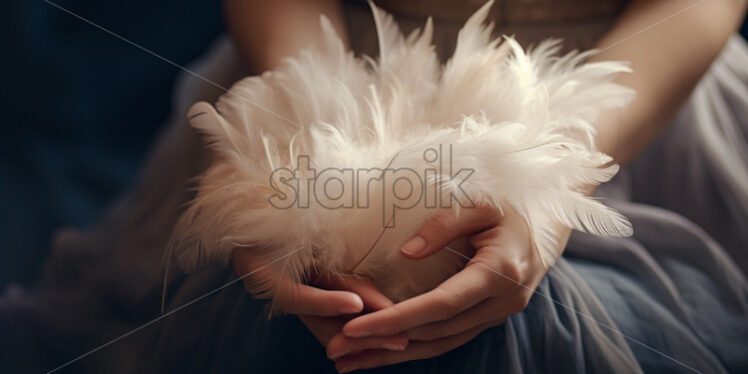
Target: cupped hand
497	282
326	304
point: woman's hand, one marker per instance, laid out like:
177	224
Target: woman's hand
327	305
496	283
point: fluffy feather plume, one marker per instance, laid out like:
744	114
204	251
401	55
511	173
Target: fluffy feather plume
303	177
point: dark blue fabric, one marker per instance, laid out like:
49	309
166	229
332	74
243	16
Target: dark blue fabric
80	108
650	303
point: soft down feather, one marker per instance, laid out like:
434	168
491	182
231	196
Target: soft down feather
520	121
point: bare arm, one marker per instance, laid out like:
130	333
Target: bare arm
267	31
668	60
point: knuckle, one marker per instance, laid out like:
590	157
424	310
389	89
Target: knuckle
394	325
451	304
393	328
488	280
514	271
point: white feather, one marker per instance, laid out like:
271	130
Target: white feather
522	121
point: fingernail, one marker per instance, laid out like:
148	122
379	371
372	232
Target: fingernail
393	347
357	306
414	246
339	354
346	369
357	334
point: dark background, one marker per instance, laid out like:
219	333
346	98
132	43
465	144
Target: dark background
81	107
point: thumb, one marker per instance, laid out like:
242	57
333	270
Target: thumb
445	227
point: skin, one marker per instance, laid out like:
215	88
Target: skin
668	59
264	32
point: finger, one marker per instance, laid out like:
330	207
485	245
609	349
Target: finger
445	227
415	351
303	299
291	297
341	345
486	311
461	291
372	298
323	328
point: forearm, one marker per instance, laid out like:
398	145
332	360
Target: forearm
267	31
668	60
